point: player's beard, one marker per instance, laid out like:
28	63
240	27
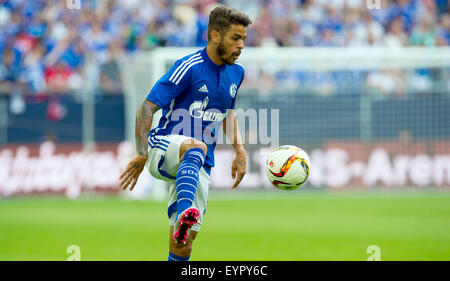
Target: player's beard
221	53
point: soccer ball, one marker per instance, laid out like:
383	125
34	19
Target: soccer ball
287	167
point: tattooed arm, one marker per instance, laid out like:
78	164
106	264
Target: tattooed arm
144	118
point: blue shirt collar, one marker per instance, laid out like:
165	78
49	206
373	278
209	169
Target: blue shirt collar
210	63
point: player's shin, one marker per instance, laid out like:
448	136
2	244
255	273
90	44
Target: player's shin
187	178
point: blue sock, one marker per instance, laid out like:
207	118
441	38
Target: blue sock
173	257
187	178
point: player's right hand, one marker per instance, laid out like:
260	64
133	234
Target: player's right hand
131	174
239	168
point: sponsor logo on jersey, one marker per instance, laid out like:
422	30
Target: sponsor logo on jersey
197	110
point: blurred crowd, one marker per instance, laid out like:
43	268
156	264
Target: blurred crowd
55	46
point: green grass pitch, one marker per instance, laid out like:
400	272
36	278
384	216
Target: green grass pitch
278	225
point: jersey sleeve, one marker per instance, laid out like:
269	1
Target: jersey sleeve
170	85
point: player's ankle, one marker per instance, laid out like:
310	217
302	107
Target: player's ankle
182	250
179	256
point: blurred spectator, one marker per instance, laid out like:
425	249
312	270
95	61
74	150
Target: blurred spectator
59	78
327	39
396	36
151	38
96	39
110	81
9	72
34	69
407	11
371	31
424	34
443	31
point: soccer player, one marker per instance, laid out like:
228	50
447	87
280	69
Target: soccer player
196	96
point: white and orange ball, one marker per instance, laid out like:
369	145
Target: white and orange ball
287	167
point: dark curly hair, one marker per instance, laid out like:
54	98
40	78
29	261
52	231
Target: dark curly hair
222	17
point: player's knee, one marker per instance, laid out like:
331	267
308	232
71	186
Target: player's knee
192	143
201	145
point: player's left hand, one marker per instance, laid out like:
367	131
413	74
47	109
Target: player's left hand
131	174
239	167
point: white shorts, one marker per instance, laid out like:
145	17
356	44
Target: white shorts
163	163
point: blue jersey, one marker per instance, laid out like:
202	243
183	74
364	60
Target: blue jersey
194	97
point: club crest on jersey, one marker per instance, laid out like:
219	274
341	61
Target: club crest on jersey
197	110
233	90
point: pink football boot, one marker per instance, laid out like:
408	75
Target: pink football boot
185	221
